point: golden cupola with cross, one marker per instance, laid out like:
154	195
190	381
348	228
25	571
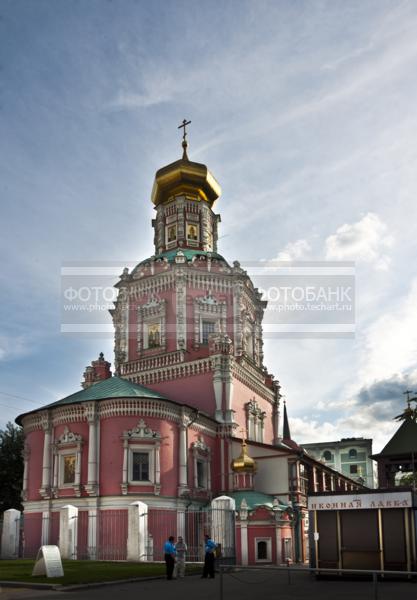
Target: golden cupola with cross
184	193
244	468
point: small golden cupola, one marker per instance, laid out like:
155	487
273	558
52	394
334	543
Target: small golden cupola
183	194
244	468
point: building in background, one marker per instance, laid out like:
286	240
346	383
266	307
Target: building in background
372	529
397	460
350	456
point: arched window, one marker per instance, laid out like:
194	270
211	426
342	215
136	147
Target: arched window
327	455
352	453
262	550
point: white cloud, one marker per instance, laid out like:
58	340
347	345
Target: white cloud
295	250
12	347
389	344
362	423
366	240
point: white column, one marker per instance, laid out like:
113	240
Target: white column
218	387
46	462
125	467
229	393
243	515
10	534
45	528
181	309
55	468
209	470
244	542
278	543
222	526
255	428
137	536
26	455
222	476
92	533
180	522
68	531
182	455
77	479
92	452
157	486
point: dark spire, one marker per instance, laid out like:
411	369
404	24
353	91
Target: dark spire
286	435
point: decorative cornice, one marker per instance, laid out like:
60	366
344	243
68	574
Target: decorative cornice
116	407
153	362
252	382
186	369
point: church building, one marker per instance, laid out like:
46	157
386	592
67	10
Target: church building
188	430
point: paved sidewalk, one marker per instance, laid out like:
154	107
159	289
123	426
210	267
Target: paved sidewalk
241	585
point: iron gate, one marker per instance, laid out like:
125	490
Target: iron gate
103	535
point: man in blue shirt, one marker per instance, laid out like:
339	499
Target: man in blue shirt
169	555
209	556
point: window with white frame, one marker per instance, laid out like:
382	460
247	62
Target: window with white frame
141	458
141	464
67	462
152	331
192	233
255	418
263	550
249	342
209	318
328	456
171	234
207	327
67	468
201	464
152	324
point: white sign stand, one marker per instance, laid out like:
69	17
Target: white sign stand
48	562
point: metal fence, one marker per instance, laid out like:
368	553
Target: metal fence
102	535
192	525
359	583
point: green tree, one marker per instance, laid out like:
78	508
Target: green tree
408	479
11	467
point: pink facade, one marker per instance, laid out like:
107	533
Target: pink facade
190	382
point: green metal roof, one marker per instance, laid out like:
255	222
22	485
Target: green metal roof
404	440
255	499
188	253
113	387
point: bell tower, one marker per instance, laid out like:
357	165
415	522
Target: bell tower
187	323
184	193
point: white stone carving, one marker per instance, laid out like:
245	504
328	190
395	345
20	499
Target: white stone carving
141	431
200	446
68	437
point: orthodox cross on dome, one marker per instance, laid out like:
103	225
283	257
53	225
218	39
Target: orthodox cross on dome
409	413
184	137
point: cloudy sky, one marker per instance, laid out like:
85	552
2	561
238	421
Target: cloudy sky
306	114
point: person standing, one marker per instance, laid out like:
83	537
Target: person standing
181	550
209	556
169	555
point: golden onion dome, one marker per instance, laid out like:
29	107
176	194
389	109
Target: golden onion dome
185	177
244	463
